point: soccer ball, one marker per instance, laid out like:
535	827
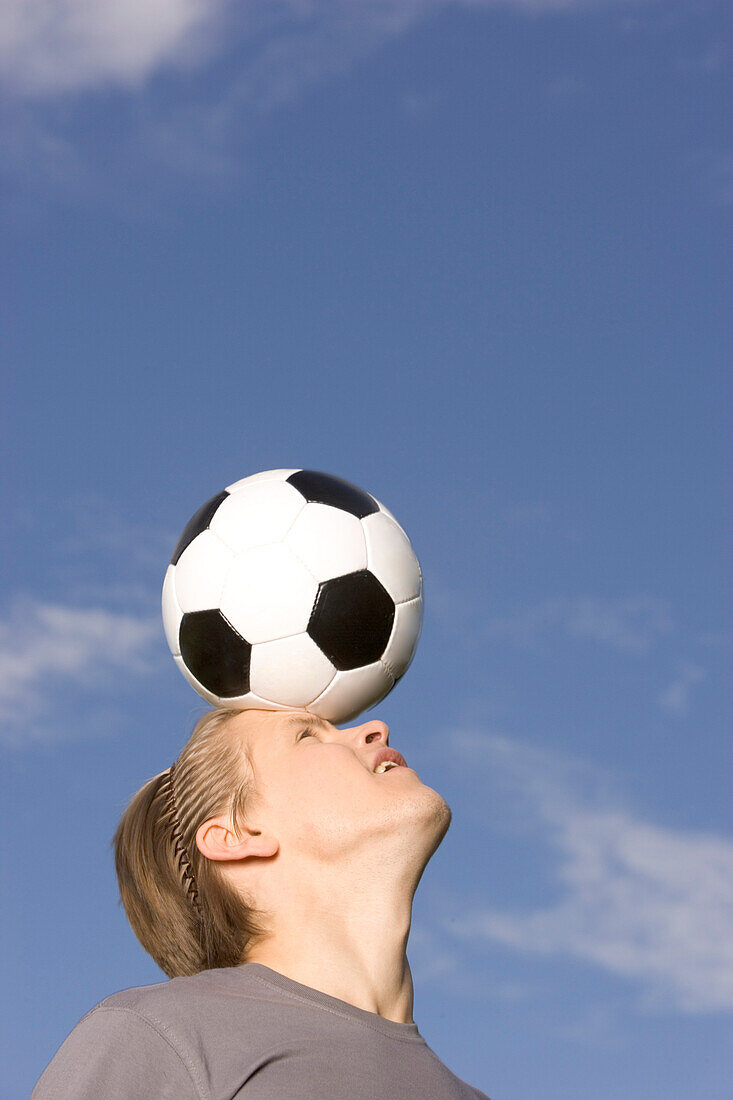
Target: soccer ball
293	589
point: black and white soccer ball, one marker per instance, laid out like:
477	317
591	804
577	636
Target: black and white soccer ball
293	589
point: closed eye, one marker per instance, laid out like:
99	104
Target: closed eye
305	733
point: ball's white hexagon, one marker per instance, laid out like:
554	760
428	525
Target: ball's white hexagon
391	558
386	511
268	594
201	571
351	692
329	541
405	635
172	613
291	671
257	514
266	475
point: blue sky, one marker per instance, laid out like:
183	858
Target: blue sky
470	258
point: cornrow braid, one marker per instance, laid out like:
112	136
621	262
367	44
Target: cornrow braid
186	912
184	863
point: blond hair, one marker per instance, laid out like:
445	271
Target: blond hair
183	910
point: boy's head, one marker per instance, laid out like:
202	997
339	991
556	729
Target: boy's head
264	807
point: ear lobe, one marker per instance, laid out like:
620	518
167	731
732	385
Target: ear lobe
216	840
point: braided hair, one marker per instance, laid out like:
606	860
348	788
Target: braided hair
185	912
184	863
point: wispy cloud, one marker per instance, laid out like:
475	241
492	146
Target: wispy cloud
631	624
85	641
46	647
76	647
62	46
641	901
675	698
56	46
54	54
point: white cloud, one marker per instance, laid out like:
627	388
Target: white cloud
258	57
69	662
675	698
60	46
71	45
641	901
44	647
631	624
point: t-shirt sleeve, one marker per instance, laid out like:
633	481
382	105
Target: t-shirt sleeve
116	1054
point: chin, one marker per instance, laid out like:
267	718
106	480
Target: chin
441	813
447	816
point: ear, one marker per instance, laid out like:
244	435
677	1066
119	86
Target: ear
217	840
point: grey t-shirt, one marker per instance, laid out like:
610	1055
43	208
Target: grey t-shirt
246	1032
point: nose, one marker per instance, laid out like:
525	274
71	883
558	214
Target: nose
373	732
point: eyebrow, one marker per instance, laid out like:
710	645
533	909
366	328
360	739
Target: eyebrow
308	720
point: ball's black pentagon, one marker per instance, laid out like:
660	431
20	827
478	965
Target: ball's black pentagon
352	619
216	654
197	523
318	488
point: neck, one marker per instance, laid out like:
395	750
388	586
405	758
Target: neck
346	941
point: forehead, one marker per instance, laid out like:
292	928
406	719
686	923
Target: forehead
272	726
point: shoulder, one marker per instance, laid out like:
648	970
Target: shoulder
168	999
158	995
116	1043
150	1040
190	1010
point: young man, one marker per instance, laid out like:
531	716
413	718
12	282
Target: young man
308	995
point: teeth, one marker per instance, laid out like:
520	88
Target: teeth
384	765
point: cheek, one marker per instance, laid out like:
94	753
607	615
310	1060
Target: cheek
332	802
